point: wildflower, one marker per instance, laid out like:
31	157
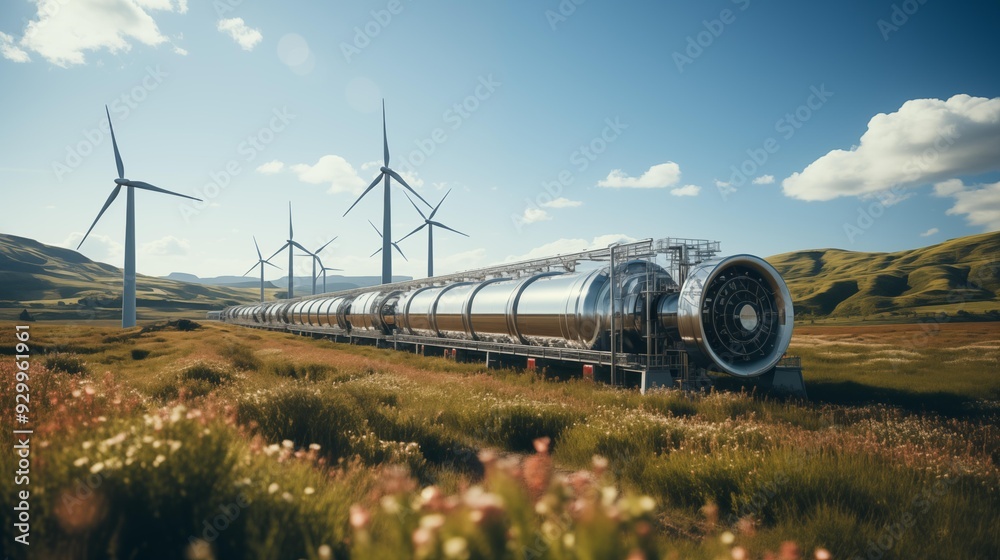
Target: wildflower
287	496
823	554
175	445
272	488
325	552
600	465
80	462
727	538
87	445
390	505
456	547
433	521
287	444
97	467
308	490
740	553
159	460
359	517
314	447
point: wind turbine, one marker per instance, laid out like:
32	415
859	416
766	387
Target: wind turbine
315	257
324	269
429	223
394	244
384	174
260	262
128	290
291	244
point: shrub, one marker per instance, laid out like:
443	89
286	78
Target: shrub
139	354
66	363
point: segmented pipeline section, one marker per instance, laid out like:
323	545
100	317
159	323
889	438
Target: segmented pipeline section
644	301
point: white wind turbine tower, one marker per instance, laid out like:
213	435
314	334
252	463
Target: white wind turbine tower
429	223
384	174
261	261
315	257
291	244
128	291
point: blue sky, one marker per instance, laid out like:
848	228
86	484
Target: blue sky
557	125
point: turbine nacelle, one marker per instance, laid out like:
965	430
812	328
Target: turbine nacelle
122	182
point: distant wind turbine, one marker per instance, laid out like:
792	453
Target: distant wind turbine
128	291
291	244
315	257
324	269
261	261
394	244
429	223
384	174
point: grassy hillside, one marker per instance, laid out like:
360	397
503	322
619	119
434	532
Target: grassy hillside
214	441
958	275
56	283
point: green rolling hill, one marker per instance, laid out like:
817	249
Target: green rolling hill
56	283
958	275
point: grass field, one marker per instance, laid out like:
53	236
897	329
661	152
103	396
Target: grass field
213	441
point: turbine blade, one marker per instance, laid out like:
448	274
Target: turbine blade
415	207
307	251
107	203
118	157
259	256
420	227
270	264
396	176
290	233
431	217
385	139
148	187
375	253
251	268
320	250
400	251
376	229
370	187
278	251
440	225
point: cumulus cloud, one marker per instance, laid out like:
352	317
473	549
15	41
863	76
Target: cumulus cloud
570	245
63	31
686	190
331	169
99	247
562	202
270	168
10	51
980	204
245	36
534	215
166	247
926	140
764	180
930	232
657	177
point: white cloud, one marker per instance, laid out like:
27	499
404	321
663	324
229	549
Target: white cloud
271	167
926	140
658	176
566	245
166	247
562	202
99	247
534	215
763	180
410	177
980	204
686	190
63	31
10	51
331	169
930	232
246	37
180	51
